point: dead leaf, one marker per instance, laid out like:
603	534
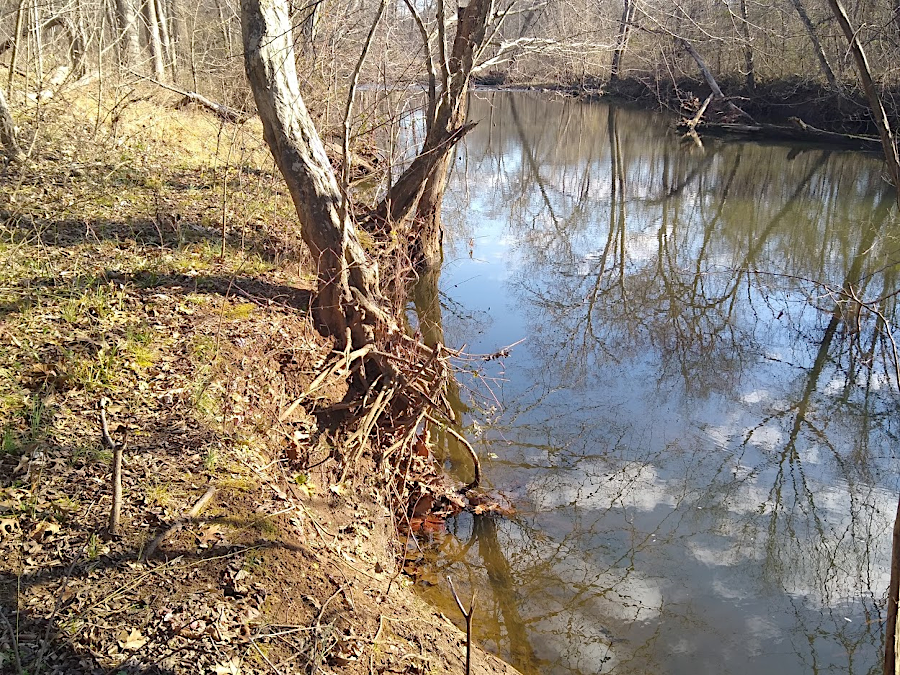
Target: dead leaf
131	641
230	667
8	527
43	530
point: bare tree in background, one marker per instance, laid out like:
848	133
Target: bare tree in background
622	38
816	44
127	20
8	133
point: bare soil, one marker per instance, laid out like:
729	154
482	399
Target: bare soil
115	283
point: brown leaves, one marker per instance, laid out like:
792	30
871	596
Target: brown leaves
8	527
131	641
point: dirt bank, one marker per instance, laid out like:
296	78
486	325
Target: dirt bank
115	283
775	102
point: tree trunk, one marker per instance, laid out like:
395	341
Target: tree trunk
76	43
748	48
17	40
817	46
154	41
176	33
888	143
8	133
422	185
226	31
710	80
890	632
163	21
126	17
347	301
622	39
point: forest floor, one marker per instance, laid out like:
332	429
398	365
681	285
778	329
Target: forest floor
116	284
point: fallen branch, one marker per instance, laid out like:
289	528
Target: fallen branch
177	525
223	111
14	641
115	511
797	131
695	120
468	617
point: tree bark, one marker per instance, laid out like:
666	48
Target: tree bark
817	46
126	16
8	133
748	48
422	185
154	41
17	40
888	143
162	19
622	39
176	33
347	303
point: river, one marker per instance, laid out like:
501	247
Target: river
698	426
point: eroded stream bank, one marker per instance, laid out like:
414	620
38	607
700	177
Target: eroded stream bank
698	428
778	107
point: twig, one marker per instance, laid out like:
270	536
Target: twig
468	446
468	618
348	112
264	657
14	641
193	513
116	511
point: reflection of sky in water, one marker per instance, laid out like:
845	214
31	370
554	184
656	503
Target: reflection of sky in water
702	463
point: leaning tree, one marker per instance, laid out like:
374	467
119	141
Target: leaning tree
347	303
411	376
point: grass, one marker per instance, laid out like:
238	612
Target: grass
211	460
238	484
159	494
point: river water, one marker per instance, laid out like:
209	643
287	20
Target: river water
698	429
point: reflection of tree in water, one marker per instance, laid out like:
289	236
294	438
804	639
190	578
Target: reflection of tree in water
713	282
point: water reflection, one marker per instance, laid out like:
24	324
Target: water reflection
698	431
